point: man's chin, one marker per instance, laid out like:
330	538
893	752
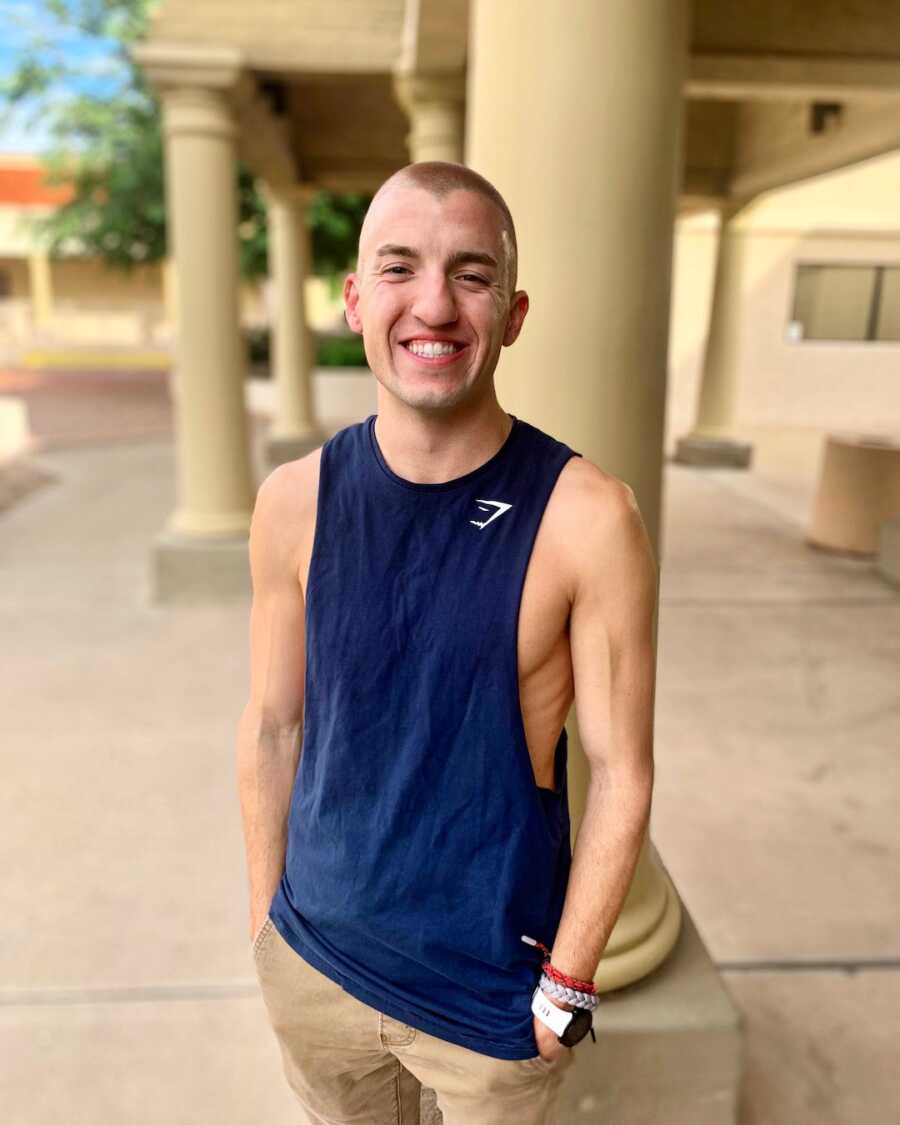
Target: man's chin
430	399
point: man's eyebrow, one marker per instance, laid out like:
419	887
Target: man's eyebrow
392	250
478	257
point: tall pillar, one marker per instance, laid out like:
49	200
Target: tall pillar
577	120
169	282
41	286
435	105
294	430
712	441
215	493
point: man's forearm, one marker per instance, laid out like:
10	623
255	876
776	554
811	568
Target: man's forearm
603	863
267	759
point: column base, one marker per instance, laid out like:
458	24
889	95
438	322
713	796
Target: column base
647	929
669	1047
709	451
278	450
197	569
888	561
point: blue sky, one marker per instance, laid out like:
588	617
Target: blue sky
22	22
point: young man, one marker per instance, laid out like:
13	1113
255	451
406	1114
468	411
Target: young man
431	589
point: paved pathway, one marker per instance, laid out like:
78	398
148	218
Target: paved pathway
68	408
778	783
127	991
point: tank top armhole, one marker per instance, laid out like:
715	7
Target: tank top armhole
566	454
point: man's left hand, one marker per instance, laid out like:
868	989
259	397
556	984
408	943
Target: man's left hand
549	1046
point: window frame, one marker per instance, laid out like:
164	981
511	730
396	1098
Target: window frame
873	315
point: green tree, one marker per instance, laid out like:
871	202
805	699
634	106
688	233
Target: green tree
107	143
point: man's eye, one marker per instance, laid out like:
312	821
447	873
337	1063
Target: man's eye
396	270
474	277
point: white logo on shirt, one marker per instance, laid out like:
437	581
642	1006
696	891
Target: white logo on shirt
501	507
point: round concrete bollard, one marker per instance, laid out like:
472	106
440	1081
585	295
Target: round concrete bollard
15	431
859	488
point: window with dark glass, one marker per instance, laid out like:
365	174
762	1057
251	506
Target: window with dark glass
846	302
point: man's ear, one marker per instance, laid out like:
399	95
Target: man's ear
351	302
518	307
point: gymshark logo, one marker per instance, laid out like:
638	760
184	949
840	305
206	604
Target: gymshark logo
500	506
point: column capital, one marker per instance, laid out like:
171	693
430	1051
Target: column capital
296	194
198	111
209	90
729	208
412	88
172	66
200	87
435	106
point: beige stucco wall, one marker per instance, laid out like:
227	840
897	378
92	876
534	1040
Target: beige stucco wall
848	216
94	304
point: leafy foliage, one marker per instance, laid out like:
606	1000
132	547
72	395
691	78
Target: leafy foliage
335	221
106	132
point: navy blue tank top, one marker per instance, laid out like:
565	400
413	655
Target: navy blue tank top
420	848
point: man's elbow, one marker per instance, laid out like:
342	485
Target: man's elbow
272	730
632	777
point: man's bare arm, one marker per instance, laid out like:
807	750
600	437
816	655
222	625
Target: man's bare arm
611	637
271	726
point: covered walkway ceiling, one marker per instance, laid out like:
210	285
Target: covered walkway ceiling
776	91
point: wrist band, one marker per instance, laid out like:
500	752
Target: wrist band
579	999
567	981
581	993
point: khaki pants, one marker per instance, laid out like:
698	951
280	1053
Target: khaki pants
349	1064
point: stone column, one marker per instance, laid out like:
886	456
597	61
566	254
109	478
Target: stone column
202	553
215	493
435	105
41	286
169	283
294	430
577	122
712	441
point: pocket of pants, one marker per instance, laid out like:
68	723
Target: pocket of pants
538	1062
264	932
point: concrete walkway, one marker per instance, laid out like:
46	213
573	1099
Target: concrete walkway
778	783
127	991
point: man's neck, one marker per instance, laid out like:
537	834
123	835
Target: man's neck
430	448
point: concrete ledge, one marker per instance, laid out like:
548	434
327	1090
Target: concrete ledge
86	358
669	1048
726	452
280	450
195	570
887	562
341	395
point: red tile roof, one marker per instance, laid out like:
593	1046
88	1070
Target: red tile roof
24	185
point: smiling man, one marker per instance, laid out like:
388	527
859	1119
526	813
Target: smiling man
431	590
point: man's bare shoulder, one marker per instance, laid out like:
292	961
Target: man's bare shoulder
591	500
285	510
597	523
291	489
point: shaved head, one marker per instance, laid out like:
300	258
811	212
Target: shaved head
439	178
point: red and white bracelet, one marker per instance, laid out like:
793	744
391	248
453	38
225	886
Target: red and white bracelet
561	986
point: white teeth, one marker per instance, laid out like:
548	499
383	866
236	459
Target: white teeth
430	349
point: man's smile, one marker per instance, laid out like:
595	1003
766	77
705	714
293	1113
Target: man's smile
434	353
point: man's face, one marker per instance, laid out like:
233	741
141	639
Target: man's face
430	296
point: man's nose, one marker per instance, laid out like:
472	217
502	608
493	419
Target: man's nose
434	303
